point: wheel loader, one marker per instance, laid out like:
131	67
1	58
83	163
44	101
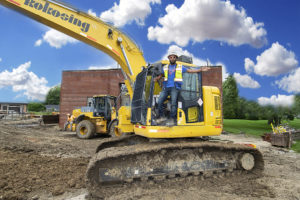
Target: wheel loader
98	117
147	150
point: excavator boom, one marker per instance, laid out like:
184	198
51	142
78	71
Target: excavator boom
88	29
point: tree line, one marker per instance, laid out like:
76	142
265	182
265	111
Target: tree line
236	107
52	98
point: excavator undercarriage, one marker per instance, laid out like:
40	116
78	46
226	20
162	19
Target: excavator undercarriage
120	161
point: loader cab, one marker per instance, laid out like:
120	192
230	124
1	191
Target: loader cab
103	105
146	94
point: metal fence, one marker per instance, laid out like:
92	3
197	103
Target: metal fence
13	115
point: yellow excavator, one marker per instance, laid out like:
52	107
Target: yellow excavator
154	151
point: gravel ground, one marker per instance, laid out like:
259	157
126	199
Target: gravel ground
41	162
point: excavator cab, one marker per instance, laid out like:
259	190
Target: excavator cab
146	94
190	98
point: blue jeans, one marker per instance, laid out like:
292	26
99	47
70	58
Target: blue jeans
173	92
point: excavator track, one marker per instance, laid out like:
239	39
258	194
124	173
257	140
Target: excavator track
121	162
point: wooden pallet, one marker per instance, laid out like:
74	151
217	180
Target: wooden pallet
282	140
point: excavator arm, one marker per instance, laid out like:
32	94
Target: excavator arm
88	29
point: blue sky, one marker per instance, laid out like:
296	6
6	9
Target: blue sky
256	41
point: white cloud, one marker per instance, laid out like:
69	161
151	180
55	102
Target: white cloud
180	51
246	81
225	74
290	83
0	59
91	12
200	20
196	60
249	65
279	100
38	43
112	66
128	11
273	61
55	39
20	79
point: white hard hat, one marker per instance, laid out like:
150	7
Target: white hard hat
172	53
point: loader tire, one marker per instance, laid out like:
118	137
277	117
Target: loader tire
85	129
112	129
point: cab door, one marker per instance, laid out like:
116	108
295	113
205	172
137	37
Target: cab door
140	99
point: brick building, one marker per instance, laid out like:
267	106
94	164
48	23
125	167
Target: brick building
77	86
213	77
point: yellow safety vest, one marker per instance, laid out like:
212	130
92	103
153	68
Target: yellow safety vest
178	73
71	118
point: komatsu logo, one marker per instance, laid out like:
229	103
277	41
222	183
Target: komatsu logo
55	13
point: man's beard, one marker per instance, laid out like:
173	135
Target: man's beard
172	63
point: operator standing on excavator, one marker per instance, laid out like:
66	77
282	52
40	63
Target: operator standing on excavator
171	86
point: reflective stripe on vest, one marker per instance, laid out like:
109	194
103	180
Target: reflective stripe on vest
178	73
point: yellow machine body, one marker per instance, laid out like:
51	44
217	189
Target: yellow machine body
94	32
134	157
211	126
99	122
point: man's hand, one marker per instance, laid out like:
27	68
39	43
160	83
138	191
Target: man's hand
158	77
204	69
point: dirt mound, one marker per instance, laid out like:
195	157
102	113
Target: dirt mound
22	173
41	162
192	188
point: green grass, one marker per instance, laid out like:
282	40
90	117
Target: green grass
251	127
295	123
296	146
41	113
257	128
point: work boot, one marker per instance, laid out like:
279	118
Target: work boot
171	122
160	120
